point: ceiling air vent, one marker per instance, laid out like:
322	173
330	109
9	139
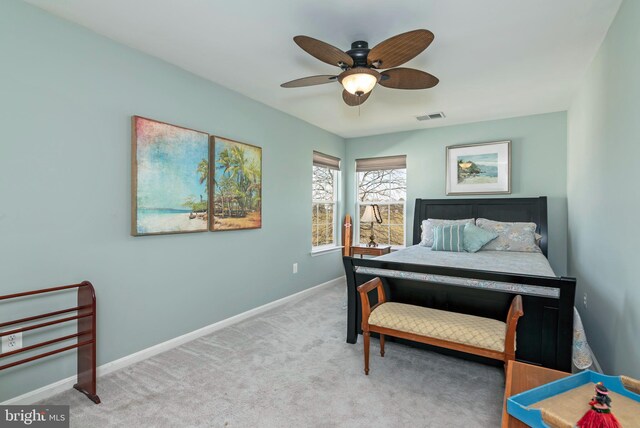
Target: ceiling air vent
432	116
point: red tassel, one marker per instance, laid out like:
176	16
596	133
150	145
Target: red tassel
593	419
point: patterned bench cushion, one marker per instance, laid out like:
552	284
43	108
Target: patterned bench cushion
480	332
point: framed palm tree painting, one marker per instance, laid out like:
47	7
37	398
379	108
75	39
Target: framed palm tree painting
169	178
236	170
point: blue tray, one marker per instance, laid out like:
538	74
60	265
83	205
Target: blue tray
518	405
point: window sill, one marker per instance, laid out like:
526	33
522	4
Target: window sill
318	251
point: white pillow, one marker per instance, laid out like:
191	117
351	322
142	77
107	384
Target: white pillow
430	223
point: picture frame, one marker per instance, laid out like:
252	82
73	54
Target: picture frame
169	178
479	169
236	185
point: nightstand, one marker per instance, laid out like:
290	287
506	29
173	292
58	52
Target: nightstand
523	377
363	250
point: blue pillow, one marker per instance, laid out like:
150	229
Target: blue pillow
448	238
476	237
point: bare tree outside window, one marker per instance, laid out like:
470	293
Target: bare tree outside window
388	189
324	194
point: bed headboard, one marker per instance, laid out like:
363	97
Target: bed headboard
499	209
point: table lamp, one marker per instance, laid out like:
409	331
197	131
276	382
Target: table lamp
371	214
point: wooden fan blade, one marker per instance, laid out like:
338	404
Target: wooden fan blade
399	49
407	78
323	51
310	81
354	100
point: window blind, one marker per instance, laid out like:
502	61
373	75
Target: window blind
376	164
320	159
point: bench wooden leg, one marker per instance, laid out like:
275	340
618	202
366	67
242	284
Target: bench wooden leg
382	345
365	334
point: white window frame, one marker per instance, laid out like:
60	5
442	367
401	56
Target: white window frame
360	203
336	205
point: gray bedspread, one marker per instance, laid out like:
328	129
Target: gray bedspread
495	261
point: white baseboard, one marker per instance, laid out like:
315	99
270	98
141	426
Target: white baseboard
65	384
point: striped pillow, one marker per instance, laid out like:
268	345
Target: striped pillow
448	238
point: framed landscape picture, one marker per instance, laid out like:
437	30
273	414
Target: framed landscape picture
236	201
483	168
169	178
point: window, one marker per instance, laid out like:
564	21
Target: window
324	200
383	181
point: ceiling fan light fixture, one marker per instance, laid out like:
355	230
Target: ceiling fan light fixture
361	66
359	80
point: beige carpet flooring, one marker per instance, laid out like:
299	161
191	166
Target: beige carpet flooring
291	367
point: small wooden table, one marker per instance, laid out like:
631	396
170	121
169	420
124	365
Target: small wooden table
523	377
363	250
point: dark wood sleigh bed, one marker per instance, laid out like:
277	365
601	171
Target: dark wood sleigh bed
545	332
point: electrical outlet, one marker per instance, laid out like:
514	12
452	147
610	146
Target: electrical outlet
584	300
11	342
295	268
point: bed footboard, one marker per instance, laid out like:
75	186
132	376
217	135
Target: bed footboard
544	334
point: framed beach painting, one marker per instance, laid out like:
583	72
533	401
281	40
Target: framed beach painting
479	169
169	180
236	201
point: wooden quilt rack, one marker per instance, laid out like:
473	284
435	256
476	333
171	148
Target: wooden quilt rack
85	336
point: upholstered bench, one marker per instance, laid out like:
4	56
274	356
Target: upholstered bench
461	332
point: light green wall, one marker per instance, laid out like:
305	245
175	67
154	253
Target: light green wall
67	95
538	165
603	195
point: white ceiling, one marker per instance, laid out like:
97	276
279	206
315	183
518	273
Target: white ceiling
494	58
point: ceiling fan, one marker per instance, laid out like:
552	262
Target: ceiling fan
362	67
